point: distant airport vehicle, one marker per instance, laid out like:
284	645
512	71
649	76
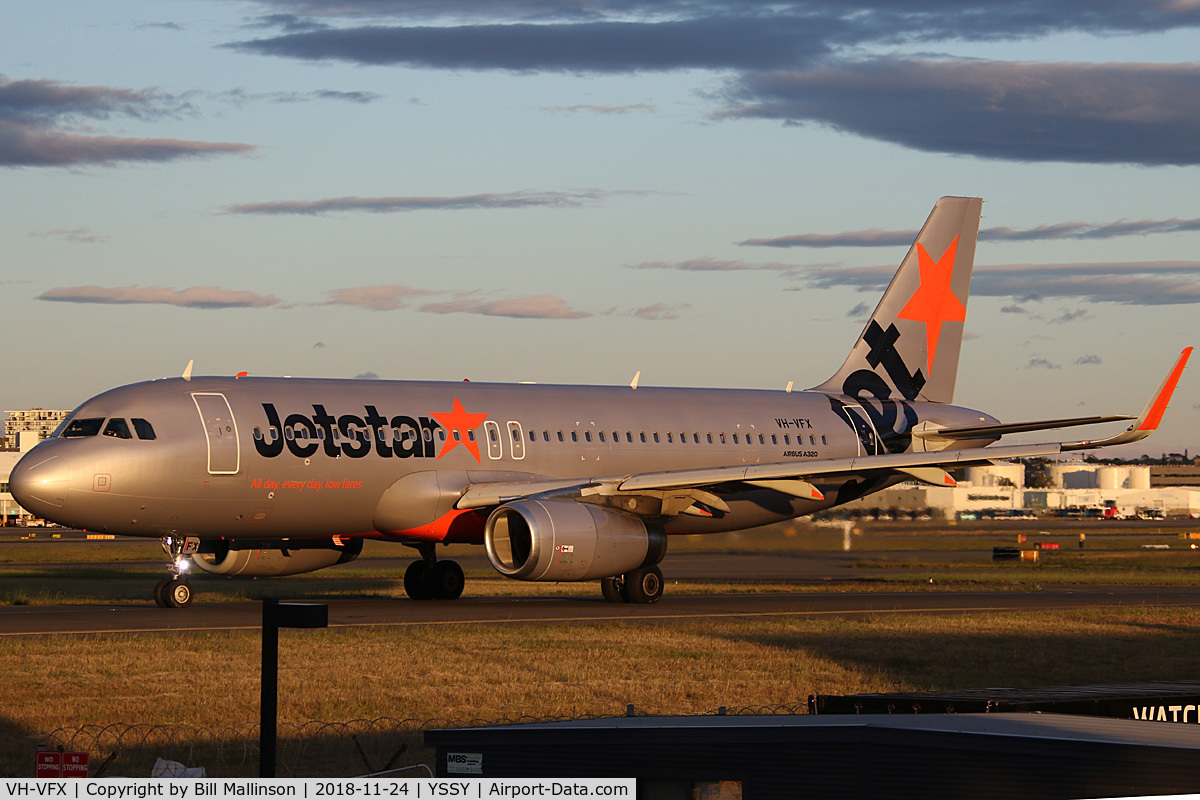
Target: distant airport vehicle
277	476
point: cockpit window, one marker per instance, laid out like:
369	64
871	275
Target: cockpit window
144	429
83	427
117	428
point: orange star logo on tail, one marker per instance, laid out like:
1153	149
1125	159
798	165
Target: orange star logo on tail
459	421
933	302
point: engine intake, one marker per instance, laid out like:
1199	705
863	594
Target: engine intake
562	540
263	559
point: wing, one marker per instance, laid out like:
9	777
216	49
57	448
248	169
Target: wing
694	491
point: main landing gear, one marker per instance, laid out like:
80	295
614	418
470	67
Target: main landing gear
430	579
643	585
174	592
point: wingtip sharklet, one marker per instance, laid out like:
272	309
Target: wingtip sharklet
1148	421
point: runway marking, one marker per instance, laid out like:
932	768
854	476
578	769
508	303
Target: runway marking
627	618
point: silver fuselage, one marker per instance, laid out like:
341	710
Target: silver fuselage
274	458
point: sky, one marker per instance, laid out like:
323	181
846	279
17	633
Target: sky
713	192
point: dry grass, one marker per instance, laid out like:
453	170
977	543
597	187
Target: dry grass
468	672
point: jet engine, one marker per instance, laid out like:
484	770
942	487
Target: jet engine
273	558
562	540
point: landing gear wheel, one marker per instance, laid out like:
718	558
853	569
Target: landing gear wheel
613	589
447	580
416	581
159	589
644	585
177	594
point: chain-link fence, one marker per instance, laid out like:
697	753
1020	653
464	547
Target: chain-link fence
310	749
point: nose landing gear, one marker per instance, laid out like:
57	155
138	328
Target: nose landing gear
175	592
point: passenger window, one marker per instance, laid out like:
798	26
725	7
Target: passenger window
735	439
656	437
143	429
710	438
83	427
574	436
629	436
823	439
602	436
643	437
118	429
696	438
546	436
812	440
761	439
722	438
587	435
560	436
616	436
670	438
773	439
258	434
787	439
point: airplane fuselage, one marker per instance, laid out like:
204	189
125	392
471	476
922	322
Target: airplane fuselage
273	458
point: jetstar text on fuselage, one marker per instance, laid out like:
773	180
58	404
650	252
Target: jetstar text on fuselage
349	435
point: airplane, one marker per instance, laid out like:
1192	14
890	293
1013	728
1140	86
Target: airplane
253	476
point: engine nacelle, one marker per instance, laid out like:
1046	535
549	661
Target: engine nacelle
562	540
270	559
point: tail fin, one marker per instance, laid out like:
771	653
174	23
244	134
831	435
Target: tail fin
910	346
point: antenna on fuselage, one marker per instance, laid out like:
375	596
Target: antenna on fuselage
789	387
187	372
633	383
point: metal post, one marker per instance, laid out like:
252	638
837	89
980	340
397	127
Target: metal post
268	706
278	615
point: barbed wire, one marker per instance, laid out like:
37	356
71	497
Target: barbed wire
314	748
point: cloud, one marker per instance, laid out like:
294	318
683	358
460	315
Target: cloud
1089	360
318	346
660	311
240	97
1149	283
875	237
74	235
602	109
1041	363
630	36
195	297
1070	316
710	264
377	298
35	115
1012	310
398	296
541	306
1020	111
392	205
366	376
731	40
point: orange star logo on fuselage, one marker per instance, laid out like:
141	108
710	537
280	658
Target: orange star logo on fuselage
933	302
459	423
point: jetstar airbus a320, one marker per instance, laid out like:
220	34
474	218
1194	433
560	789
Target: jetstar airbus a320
278	476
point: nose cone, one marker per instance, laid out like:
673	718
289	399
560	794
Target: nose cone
39	483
